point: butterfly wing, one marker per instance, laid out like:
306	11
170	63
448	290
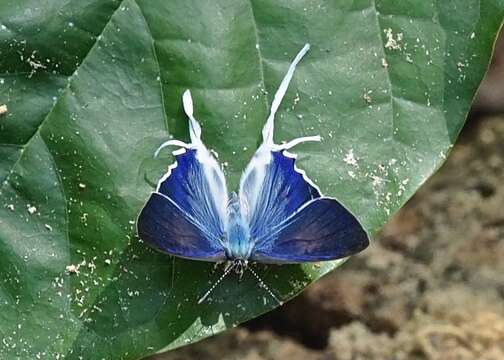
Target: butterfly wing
289	220
194	193
198	189
320	230
272	189
166	227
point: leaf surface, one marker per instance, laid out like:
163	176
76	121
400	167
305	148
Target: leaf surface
93	87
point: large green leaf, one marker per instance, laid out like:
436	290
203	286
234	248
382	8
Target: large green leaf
94	86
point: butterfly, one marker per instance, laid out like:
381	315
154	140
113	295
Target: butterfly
279	215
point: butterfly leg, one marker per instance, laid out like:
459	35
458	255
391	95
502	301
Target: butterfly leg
239	266
228	265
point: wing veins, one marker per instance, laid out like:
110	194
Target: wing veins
193	221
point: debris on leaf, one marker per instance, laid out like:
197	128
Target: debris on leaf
350	158
392	43
367	97
34	64
72	269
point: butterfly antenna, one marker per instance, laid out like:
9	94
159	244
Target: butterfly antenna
282	89
264	286
226	272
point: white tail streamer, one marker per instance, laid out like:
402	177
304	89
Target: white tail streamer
251	182
213	174
194	126
282	89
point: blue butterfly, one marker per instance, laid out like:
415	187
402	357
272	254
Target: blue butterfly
278	216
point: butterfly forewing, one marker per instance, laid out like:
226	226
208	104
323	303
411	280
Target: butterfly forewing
320	230
165	226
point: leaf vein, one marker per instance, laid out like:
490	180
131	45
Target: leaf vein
156	59
44	120
259	54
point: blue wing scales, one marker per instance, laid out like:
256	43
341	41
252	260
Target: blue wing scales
165	226
189	187
270	192
289	221
321	230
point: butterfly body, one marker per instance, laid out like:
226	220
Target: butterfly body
238	239
278	216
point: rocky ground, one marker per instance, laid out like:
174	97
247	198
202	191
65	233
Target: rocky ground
431	285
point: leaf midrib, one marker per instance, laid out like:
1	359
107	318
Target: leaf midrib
260	57
260	60
156	60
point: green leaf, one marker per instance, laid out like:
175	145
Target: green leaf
93	87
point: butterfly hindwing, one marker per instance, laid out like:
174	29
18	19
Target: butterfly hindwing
186	215
271	190
189	185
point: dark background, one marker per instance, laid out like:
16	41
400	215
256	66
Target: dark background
430	286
